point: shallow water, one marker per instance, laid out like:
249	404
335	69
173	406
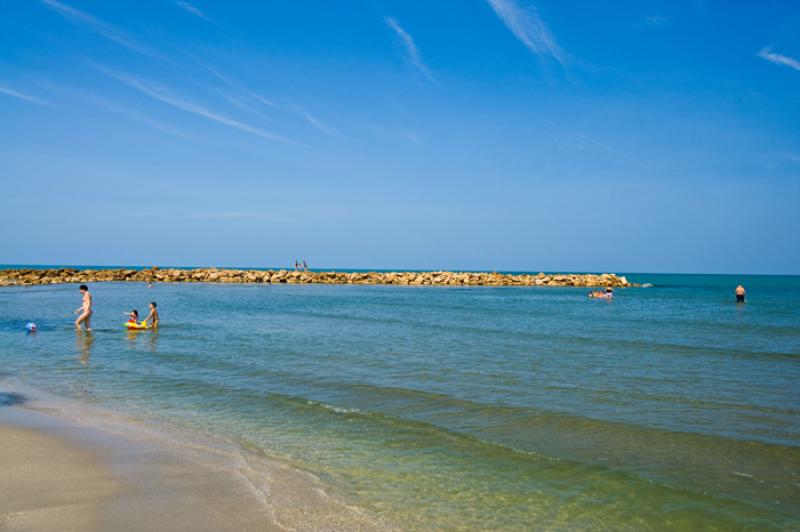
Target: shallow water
668	407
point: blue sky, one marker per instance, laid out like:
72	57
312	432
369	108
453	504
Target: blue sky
473	134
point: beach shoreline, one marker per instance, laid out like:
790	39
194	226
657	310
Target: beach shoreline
75	468
35	276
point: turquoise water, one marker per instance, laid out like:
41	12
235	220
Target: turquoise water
439	407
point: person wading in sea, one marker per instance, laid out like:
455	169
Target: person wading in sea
740	292
85	309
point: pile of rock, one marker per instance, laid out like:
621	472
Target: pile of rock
214	275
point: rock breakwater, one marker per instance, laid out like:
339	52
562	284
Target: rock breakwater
26	277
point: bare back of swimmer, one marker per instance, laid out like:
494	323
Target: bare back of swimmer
740	293
85	309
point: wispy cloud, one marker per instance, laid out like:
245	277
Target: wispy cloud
164	95
526	25
314	121
242	106
308	117
189	8
22	96
412	52
102	28
569	140
411	136
779	59
235	84
655	21
239	215
94	100
143	119
224	215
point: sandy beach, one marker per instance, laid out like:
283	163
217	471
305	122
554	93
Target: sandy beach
48	484
61	474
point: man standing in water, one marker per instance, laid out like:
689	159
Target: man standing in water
85	309
740	292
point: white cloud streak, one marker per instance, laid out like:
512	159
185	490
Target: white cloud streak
778	59
308	117
526	25
656	20
220	216
242	106
102	28
144	119
222	77
411	136
412	52
238	215
189	8
314	121
23	96
163	95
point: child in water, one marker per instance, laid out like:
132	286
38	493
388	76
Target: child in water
133	316
153	316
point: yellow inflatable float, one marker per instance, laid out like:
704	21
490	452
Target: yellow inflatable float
133	326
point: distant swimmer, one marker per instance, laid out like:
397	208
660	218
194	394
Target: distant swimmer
599	294
740	292
153	316
85	309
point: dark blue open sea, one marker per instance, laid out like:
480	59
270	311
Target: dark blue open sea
670	407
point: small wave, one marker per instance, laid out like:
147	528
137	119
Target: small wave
333	408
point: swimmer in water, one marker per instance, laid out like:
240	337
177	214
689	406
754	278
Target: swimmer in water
153	316
599	294
740	293
133	316
85	309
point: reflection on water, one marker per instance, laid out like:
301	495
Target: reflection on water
133	335
84	341
153	341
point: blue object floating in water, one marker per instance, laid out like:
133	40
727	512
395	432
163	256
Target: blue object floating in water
30	327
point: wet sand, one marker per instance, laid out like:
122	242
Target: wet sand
66	474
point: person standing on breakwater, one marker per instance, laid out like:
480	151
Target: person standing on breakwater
740	292
85	309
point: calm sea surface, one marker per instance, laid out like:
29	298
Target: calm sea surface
472	408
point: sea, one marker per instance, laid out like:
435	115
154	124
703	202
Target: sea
460	408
